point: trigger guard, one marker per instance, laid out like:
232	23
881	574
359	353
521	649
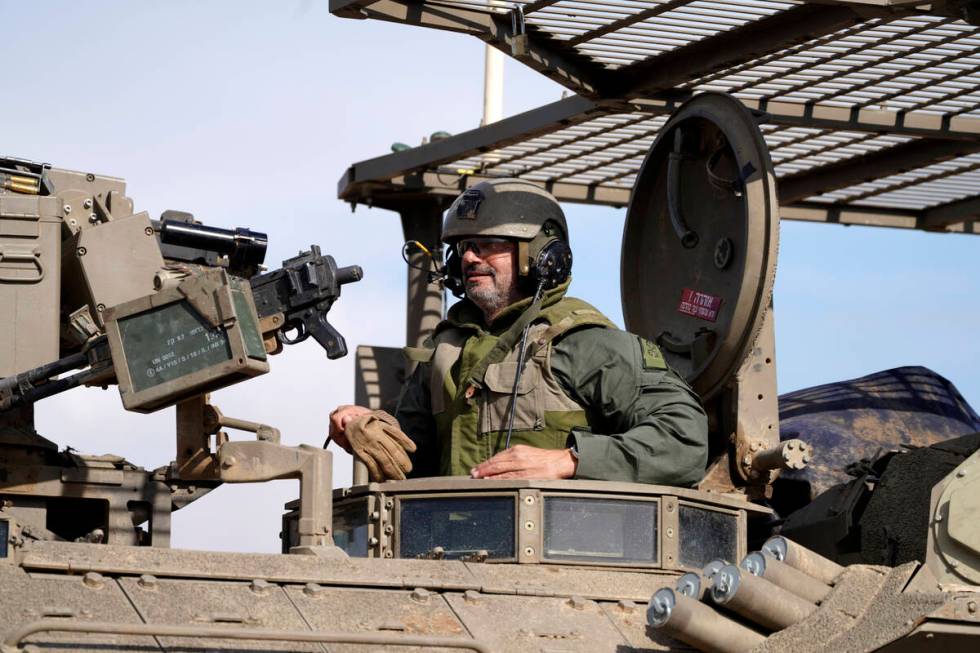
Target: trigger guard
300	328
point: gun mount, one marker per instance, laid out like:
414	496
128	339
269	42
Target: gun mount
169	311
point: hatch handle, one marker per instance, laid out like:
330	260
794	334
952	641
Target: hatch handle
30	255
689	239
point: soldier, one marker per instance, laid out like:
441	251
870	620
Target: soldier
592	401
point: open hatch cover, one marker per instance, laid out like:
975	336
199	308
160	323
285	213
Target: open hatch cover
699	246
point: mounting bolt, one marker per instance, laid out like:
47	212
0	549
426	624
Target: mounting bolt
389	529
961	473
373	541
972	607
529	550
87	204
148	231
529	500
81	251
67	208
529	525
94	580
261	586
148	582
313	590
577	602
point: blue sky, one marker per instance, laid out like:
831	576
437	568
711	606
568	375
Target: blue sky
247	113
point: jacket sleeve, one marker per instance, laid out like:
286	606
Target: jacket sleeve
414	415
648	426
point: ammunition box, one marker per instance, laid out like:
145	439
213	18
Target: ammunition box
197	337
30	281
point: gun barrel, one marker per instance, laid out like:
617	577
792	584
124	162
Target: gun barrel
349	274
244	246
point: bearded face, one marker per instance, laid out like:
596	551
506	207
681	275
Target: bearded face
490	275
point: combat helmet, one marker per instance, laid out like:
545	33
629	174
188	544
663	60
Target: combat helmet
517	209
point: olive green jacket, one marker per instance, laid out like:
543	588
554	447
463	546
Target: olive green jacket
639	421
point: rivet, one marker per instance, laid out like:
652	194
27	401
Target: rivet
389	554
961	473
389	529
148	231
94	580
100	308
81	251
375	515
389	504
90	177
529	500
92	218
529	550
67	208
148	582
529	525
87	204
373	541
972	607
670	532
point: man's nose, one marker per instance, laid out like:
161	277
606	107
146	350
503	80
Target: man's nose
470	257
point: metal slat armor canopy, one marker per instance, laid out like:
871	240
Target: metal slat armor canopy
872	106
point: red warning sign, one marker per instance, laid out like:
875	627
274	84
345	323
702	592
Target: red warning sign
700	305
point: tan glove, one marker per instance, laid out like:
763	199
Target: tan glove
379	442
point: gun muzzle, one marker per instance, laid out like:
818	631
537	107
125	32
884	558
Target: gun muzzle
349	274
243	247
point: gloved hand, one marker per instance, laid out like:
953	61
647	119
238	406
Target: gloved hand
379	442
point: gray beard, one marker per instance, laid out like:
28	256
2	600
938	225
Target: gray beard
489	300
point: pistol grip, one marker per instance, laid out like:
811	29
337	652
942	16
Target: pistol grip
324	333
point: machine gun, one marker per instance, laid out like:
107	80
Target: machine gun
294	299
168	310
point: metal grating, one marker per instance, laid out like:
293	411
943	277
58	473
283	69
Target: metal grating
873	106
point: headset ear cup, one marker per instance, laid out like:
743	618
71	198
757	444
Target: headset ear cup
553	265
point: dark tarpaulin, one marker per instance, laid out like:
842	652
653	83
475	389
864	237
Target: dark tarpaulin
851	420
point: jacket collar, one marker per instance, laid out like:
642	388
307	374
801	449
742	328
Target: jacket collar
465	313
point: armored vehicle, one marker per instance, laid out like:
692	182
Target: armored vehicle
711	121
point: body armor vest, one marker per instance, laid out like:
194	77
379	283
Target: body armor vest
471	421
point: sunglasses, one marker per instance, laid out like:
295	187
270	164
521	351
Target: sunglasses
482	247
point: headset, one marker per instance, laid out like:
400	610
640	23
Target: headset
545	260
